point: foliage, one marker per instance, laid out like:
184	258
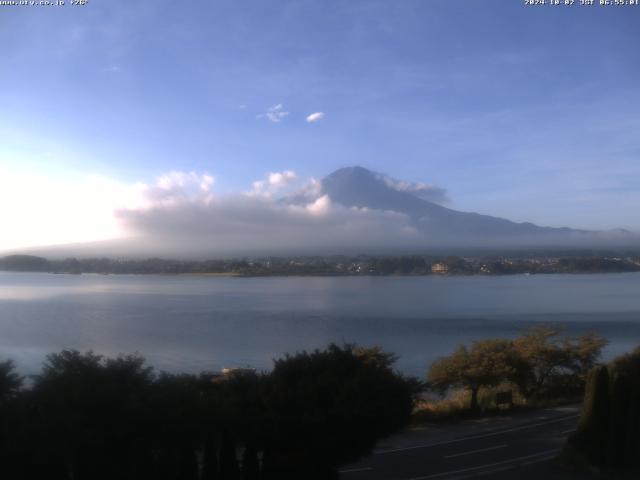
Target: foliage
331	407
547	361
539	363
485	364
90	412
91	417
375	356
608	433
10	381
516	263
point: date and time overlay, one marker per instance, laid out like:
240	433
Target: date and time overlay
43	3
582	3
527	3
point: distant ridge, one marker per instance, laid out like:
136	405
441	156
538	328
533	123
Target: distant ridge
351	211
359	187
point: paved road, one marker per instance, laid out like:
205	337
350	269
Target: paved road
491	449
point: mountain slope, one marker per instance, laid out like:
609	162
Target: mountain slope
351	211
362	188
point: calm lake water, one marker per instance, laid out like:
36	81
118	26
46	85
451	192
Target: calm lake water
186	323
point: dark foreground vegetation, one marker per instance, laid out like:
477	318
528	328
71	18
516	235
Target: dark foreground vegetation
85	416
90	417
336	265
608	435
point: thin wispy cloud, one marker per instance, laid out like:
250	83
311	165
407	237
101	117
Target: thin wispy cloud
425	191
274	114
314	117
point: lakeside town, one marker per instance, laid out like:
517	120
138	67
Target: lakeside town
361	265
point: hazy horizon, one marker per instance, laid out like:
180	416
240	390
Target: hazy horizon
180	217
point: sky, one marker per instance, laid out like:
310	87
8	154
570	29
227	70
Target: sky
527	113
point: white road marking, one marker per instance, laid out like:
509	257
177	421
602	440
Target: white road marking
353	470
488	472
483	473
568	431
475	437
538	460
542	456
475	451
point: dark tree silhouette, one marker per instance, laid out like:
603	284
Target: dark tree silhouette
250	464
229	469
210	467
88	417
10	381
90	412
608	433
330	407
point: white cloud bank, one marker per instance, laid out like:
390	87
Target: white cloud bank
185	221
180	215
41	210
245	225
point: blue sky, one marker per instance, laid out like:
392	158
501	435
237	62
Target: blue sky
531	113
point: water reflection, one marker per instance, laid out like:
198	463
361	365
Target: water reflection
194	323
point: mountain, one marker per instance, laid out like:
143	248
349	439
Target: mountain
363	188
351	211
24	263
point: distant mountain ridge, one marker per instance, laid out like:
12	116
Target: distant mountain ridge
351	211
359	187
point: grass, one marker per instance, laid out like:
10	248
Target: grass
455	405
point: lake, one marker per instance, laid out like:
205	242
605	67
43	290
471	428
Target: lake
190	323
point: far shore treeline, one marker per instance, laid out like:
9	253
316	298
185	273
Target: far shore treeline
341	265
85	416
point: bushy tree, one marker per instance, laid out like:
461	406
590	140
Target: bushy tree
327	408
91	412
538	363
10	381
547	360
485	364
375	356
608	434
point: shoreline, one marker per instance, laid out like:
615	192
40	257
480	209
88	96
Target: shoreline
320	275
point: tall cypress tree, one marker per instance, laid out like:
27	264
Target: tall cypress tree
210	465
229	469
594	420
618	418
188	463
250	464
632	450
